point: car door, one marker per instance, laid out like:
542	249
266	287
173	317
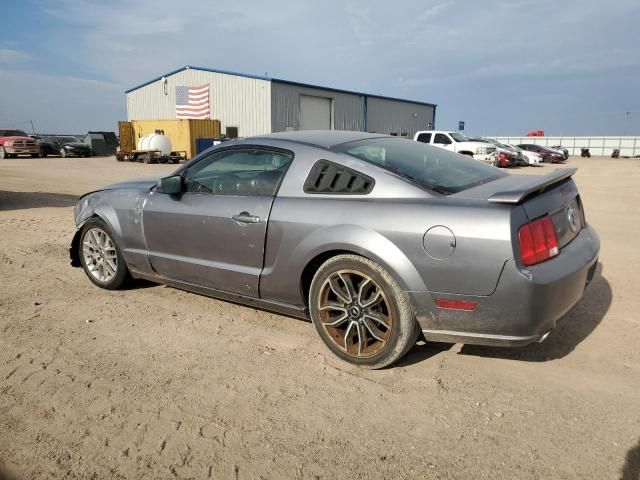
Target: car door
213	232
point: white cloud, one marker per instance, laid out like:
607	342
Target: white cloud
59	104
432	50
10	56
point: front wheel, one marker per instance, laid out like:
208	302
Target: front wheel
361	313
100	256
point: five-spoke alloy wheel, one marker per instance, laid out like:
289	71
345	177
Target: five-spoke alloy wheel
360	312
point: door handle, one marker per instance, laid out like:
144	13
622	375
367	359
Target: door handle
245	217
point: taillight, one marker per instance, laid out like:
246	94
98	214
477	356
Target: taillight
538	241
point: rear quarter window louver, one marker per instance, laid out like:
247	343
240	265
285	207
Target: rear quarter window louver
331	178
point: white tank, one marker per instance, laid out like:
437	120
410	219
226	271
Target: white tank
155	141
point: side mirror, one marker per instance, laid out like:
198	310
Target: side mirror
170	185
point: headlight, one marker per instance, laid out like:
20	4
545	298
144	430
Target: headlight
481	150
8	144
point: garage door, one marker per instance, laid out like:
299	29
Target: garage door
315	113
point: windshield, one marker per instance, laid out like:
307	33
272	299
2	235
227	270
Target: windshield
12	133
429	167
458	137
68	139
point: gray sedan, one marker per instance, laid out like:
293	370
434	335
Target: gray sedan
376	239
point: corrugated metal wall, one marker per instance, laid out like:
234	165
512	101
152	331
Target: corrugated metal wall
347	114
393	116
234	100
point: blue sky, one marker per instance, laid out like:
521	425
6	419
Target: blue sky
505	67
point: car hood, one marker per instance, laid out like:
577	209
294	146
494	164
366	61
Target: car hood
11	139
470	143
140	184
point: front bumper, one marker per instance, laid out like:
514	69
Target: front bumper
489	158
78	151
526	304
22	150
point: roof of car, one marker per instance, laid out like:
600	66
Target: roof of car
321	138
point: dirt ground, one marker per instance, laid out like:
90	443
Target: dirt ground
153	382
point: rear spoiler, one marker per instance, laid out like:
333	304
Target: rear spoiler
537	184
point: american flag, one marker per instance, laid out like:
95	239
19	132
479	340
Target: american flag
192	102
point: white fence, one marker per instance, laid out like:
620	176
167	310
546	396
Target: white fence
628	146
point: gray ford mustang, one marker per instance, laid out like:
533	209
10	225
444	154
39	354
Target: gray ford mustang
376	239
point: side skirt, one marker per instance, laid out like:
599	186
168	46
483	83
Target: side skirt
263	304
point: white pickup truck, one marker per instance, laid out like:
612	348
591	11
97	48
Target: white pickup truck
456	142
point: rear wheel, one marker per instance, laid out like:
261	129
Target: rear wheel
100	256
361	313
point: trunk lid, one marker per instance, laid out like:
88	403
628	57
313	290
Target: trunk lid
554	194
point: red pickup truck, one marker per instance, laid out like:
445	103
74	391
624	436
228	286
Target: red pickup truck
16	142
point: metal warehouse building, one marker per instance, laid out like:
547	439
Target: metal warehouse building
249	105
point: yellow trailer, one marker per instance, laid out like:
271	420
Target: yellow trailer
181	133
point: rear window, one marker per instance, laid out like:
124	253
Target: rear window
429	167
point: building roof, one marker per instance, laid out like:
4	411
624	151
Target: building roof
278	80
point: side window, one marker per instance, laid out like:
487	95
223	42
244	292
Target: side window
247	172
424	137
441	139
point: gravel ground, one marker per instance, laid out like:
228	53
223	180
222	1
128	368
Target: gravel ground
153	382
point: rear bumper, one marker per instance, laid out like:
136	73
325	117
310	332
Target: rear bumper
526	304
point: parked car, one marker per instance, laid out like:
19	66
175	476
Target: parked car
372	237
46	145
562	150
548	155
506	156
533	158
456	142
16	142
71	146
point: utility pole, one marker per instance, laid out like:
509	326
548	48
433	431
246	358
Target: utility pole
626	122
32	129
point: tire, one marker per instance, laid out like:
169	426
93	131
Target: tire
353	299
101	258
547	159
35	155
43	154
63	153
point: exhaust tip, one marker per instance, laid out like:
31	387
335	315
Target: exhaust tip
544	336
